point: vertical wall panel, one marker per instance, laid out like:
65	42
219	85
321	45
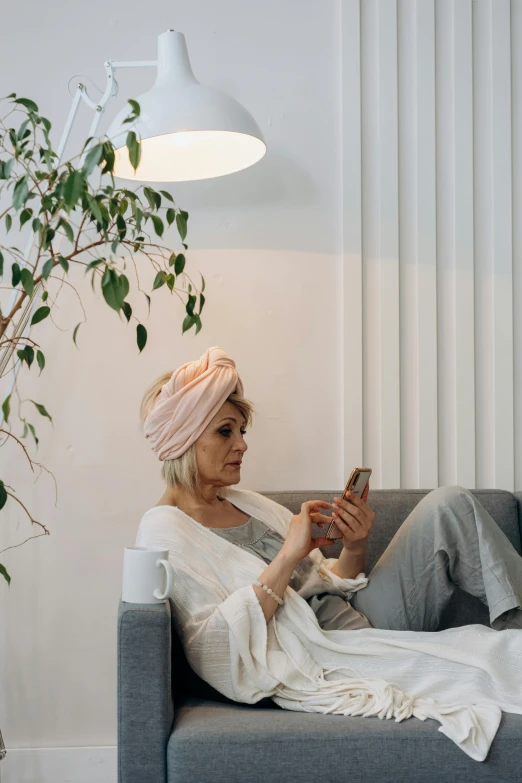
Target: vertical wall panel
417	242
455	277
380	250
352	239
439	263
493	244
516	147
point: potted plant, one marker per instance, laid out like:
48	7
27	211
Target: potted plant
76	216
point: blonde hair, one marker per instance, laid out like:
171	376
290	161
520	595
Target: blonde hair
182	472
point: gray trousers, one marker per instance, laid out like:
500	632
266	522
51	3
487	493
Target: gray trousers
448	540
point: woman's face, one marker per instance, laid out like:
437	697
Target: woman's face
221	444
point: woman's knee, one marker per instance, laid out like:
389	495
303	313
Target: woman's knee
453	496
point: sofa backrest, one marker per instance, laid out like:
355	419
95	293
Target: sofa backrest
391	507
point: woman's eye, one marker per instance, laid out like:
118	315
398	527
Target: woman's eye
226	432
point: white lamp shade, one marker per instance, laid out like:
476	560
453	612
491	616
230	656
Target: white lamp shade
187	131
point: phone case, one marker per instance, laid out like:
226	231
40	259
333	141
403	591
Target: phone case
356	485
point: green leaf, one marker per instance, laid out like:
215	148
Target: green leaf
172	259
47	268
31	105
22	129
49	236
26	354
25	215
134	149
179	266
3	495
187	323
76	332
40	314
41	410
135	106
92	159
93	264
170	215
33	432
167	195
124	286
44	296
141	336
6	407
170	279
63	262
95	209
20	193
148	193
198	322
114	288
127	311
67	229
148	300
15	270
27	281
201	302
40	358
181	223
159	280
8	222
4	572
1	264
73	188
158	224
190	304
121	225
108	157
202	283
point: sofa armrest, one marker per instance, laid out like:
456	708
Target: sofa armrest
145	705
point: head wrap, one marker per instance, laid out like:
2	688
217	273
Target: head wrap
189	401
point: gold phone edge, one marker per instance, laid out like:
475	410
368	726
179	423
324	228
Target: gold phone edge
347	487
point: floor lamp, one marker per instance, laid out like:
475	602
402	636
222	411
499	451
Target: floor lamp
187	131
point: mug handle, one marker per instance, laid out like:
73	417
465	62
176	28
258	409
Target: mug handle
170	579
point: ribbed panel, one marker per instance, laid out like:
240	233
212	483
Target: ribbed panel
432	134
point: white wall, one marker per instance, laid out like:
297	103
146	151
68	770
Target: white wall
267	241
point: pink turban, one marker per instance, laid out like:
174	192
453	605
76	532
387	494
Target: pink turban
189	401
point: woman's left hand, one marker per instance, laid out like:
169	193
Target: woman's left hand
354	518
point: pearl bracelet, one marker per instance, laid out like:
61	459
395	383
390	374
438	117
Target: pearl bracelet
270	592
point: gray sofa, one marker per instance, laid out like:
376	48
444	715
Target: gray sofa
174	728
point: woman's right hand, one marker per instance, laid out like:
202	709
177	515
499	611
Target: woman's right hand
299	541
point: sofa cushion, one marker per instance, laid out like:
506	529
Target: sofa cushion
226	743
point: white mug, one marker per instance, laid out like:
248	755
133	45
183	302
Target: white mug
145	571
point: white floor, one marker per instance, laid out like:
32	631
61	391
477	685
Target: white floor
59	765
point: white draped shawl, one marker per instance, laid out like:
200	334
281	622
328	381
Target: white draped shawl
462	677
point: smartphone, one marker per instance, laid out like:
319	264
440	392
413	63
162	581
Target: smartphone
357	482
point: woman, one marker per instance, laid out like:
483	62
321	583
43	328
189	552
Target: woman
261	612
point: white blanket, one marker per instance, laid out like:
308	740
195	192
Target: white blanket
462	677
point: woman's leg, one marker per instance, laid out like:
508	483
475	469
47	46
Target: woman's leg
448	540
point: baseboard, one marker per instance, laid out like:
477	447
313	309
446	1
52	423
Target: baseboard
59	765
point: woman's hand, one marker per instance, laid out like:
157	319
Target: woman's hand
299	541
354	518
